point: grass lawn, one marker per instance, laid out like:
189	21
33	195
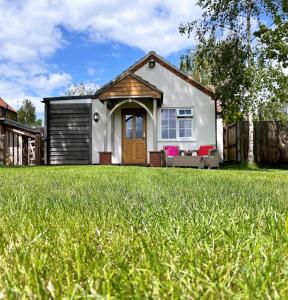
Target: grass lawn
131	232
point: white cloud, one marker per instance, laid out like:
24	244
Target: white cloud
16	95
15	89
148	25
49	82
31	32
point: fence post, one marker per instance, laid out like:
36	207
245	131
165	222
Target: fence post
5	147
1	149
227	144
238	142
37	150
25	151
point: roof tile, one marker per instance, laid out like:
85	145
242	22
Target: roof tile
4	104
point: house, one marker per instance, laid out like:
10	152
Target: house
131	118
6	111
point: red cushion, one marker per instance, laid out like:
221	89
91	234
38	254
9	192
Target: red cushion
172	150
203	150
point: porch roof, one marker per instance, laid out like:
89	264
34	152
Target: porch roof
128	85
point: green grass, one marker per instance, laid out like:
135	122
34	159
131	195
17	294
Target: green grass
127	232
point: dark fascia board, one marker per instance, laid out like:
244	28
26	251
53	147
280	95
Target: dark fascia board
48	99
18	125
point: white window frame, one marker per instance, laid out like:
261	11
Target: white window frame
179	139
183	116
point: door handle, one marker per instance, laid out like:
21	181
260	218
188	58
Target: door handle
144	135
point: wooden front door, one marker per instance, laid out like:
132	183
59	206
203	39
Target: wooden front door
134	136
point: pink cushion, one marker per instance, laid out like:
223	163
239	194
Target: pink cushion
203	150
172	150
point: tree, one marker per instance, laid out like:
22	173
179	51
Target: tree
27	114
193	64
275	39
222	65
235	55
80	89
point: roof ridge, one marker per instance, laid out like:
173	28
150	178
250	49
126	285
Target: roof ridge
142	61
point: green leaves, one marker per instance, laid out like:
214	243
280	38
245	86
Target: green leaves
245	78
27	114
196	64
275	41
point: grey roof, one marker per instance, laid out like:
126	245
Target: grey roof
19	125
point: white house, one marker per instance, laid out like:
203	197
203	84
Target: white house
150	105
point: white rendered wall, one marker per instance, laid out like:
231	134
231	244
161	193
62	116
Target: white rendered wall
220	145
97	130
179	93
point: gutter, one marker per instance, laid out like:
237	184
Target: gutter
48	99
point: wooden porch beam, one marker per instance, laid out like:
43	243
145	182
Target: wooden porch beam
106	127
155	124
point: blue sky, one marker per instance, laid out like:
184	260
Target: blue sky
47	44
98	63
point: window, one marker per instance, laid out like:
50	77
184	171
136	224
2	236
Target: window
185	112
185	128
176	123
168	123
129	126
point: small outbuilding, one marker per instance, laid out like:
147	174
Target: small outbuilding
20	144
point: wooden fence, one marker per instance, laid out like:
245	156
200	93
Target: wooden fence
19	150
270	142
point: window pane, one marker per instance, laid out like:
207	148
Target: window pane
139	126
181	132
185	112
129	126
164	123
188	133
185	124
165	134
172	124
164	114
172	113
172	134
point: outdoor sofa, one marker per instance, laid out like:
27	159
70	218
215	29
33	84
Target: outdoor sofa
205	156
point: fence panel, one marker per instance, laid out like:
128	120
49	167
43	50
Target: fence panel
270	142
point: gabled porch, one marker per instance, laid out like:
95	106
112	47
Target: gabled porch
130	113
